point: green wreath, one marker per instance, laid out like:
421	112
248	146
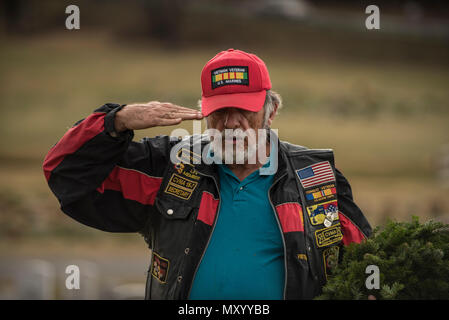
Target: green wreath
412	260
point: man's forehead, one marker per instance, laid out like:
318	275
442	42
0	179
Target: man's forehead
234	109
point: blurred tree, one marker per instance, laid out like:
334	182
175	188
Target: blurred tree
164	20
12	12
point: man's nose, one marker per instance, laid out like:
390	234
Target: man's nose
232	120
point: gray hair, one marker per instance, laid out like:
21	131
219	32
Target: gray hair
272	99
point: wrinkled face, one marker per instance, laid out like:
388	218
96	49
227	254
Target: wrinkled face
234	118
239	134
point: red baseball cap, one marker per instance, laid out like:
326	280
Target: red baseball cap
234	78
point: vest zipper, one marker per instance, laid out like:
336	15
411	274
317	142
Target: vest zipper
282	234
210	236
149	287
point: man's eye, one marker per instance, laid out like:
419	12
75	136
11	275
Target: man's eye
218	112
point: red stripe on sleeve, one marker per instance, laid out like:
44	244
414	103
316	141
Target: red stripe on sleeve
351	233
290	217
208	208
134	185
72	140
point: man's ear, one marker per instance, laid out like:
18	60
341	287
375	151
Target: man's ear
272	115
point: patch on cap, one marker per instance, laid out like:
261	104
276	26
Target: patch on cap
229	75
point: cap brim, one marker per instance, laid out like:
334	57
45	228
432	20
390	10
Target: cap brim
250	101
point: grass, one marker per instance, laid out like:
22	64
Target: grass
385	120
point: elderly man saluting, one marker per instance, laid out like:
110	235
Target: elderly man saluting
217	229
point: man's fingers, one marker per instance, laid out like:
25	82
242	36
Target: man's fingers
182	115
152	114
176	120
168	106
178	108
188	116
188	111
169	122
176	112
173	110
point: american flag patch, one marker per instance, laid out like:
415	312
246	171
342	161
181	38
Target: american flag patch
316	174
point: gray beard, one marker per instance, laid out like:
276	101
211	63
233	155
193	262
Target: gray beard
237	153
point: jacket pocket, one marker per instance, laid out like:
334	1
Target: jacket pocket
173	210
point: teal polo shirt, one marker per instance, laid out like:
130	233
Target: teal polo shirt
245	256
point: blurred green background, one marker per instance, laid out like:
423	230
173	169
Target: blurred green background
379	98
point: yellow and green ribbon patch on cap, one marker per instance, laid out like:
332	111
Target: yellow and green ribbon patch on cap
229	75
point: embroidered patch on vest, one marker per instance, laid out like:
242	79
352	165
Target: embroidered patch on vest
188	157
319	213
187	171
321	194
160	267
229	75
180	187
330	259
328	236
301	256
316	174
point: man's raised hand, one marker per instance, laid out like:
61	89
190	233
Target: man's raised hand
153	114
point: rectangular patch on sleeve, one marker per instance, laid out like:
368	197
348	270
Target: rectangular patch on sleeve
160	267
328	236
229	75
